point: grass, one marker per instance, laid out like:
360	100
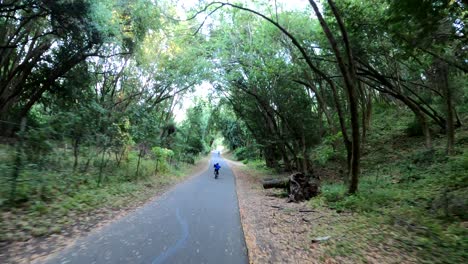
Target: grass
410	199
412	202
255	167
50	200
41	218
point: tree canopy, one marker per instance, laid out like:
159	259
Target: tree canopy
285	80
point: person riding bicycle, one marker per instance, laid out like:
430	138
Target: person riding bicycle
216	168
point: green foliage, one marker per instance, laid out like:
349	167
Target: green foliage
162	156
414	128
246	153
459	162
270	109
197	131
414	195
233	130
326	151
162	153
47	200
100	82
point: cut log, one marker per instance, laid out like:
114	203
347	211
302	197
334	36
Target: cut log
300	186
278	183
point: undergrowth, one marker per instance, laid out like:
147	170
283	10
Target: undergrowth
49	201
412	203
409	198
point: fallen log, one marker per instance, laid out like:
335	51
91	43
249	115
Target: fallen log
278	183
300	187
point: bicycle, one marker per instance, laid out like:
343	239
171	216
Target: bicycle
216	170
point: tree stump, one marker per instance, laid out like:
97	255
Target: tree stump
300	186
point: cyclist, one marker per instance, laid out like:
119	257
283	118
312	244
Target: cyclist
216	169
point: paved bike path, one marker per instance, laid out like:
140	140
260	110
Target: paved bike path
196	222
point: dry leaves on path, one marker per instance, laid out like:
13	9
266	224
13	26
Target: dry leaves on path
276	231
281	232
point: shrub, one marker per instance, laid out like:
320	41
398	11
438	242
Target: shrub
414	128
245	153
162	156
325	151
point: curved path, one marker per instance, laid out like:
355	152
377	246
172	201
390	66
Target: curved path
196	222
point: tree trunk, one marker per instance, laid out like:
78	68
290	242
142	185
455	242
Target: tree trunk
305	161
422	119
284	155
366	115
417	109
426	130
307	58
356	148
450	127
120	156
138	164
320	100
156	167
270	157
101	167
351	83
458	123
76	146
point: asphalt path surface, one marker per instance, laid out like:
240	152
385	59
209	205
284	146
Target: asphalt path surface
195	222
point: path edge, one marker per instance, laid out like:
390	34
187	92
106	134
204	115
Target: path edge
249	236
71	241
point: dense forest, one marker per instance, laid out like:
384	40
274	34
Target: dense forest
369	97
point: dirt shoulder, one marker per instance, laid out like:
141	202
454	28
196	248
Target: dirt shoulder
281	232
275	231
37	248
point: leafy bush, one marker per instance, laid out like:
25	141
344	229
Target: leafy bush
414	128
332	192
245	153
325	151
459	162
38	144
424	157
162	156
